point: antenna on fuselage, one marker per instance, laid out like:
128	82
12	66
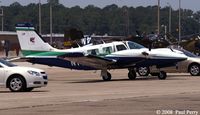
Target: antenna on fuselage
78	44
102	41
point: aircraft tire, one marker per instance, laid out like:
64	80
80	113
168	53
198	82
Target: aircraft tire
194	69
162	75
132	75
107	78
143	71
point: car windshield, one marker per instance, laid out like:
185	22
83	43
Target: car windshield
7	63
133	45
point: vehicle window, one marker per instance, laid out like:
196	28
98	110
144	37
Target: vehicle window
93	51
120	47
7	63
133	45
107	50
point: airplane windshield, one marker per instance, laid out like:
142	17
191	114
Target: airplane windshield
187	53
133	45
7	63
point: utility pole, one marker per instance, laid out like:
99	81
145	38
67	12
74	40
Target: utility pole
2	22
40	27
170	17
51	41
127	21
179	37
158	17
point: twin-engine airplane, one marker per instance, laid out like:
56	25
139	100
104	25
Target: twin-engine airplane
106	56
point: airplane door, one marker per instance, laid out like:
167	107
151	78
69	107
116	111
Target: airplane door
2	75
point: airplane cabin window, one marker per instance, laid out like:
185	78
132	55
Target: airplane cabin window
107	50
93	51
120	47
133	45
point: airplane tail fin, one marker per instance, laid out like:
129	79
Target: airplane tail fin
30	41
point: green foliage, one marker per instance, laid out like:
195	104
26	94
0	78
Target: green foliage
111	20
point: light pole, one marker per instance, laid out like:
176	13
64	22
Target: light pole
40	30
127	21
51	23
1	18
158	17
170	17
179	25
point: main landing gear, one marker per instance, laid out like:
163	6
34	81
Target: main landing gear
106	76
131	74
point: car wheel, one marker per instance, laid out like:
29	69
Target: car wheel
17	84
194	69
143	71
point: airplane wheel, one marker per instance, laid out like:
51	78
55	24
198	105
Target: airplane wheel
194	69
143	71
108	77
162	75
132	75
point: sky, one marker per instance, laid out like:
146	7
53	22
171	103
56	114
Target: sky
186	4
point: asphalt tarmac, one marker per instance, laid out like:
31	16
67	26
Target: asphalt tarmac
72	92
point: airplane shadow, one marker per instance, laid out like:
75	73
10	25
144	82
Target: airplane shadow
115	80
1	92
150	78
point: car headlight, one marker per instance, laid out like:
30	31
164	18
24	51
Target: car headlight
34	73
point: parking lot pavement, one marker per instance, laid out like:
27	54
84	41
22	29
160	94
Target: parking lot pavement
83	92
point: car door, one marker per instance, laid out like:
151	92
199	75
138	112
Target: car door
2	75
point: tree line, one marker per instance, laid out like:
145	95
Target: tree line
110	20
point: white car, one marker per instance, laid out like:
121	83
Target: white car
19	79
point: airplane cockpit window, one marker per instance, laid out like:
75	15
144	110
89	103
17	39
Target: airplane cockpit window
187	53
93	51
107	50
133	45
120	47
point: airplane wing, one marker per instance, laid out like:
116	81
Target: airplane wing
88	60
15	59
